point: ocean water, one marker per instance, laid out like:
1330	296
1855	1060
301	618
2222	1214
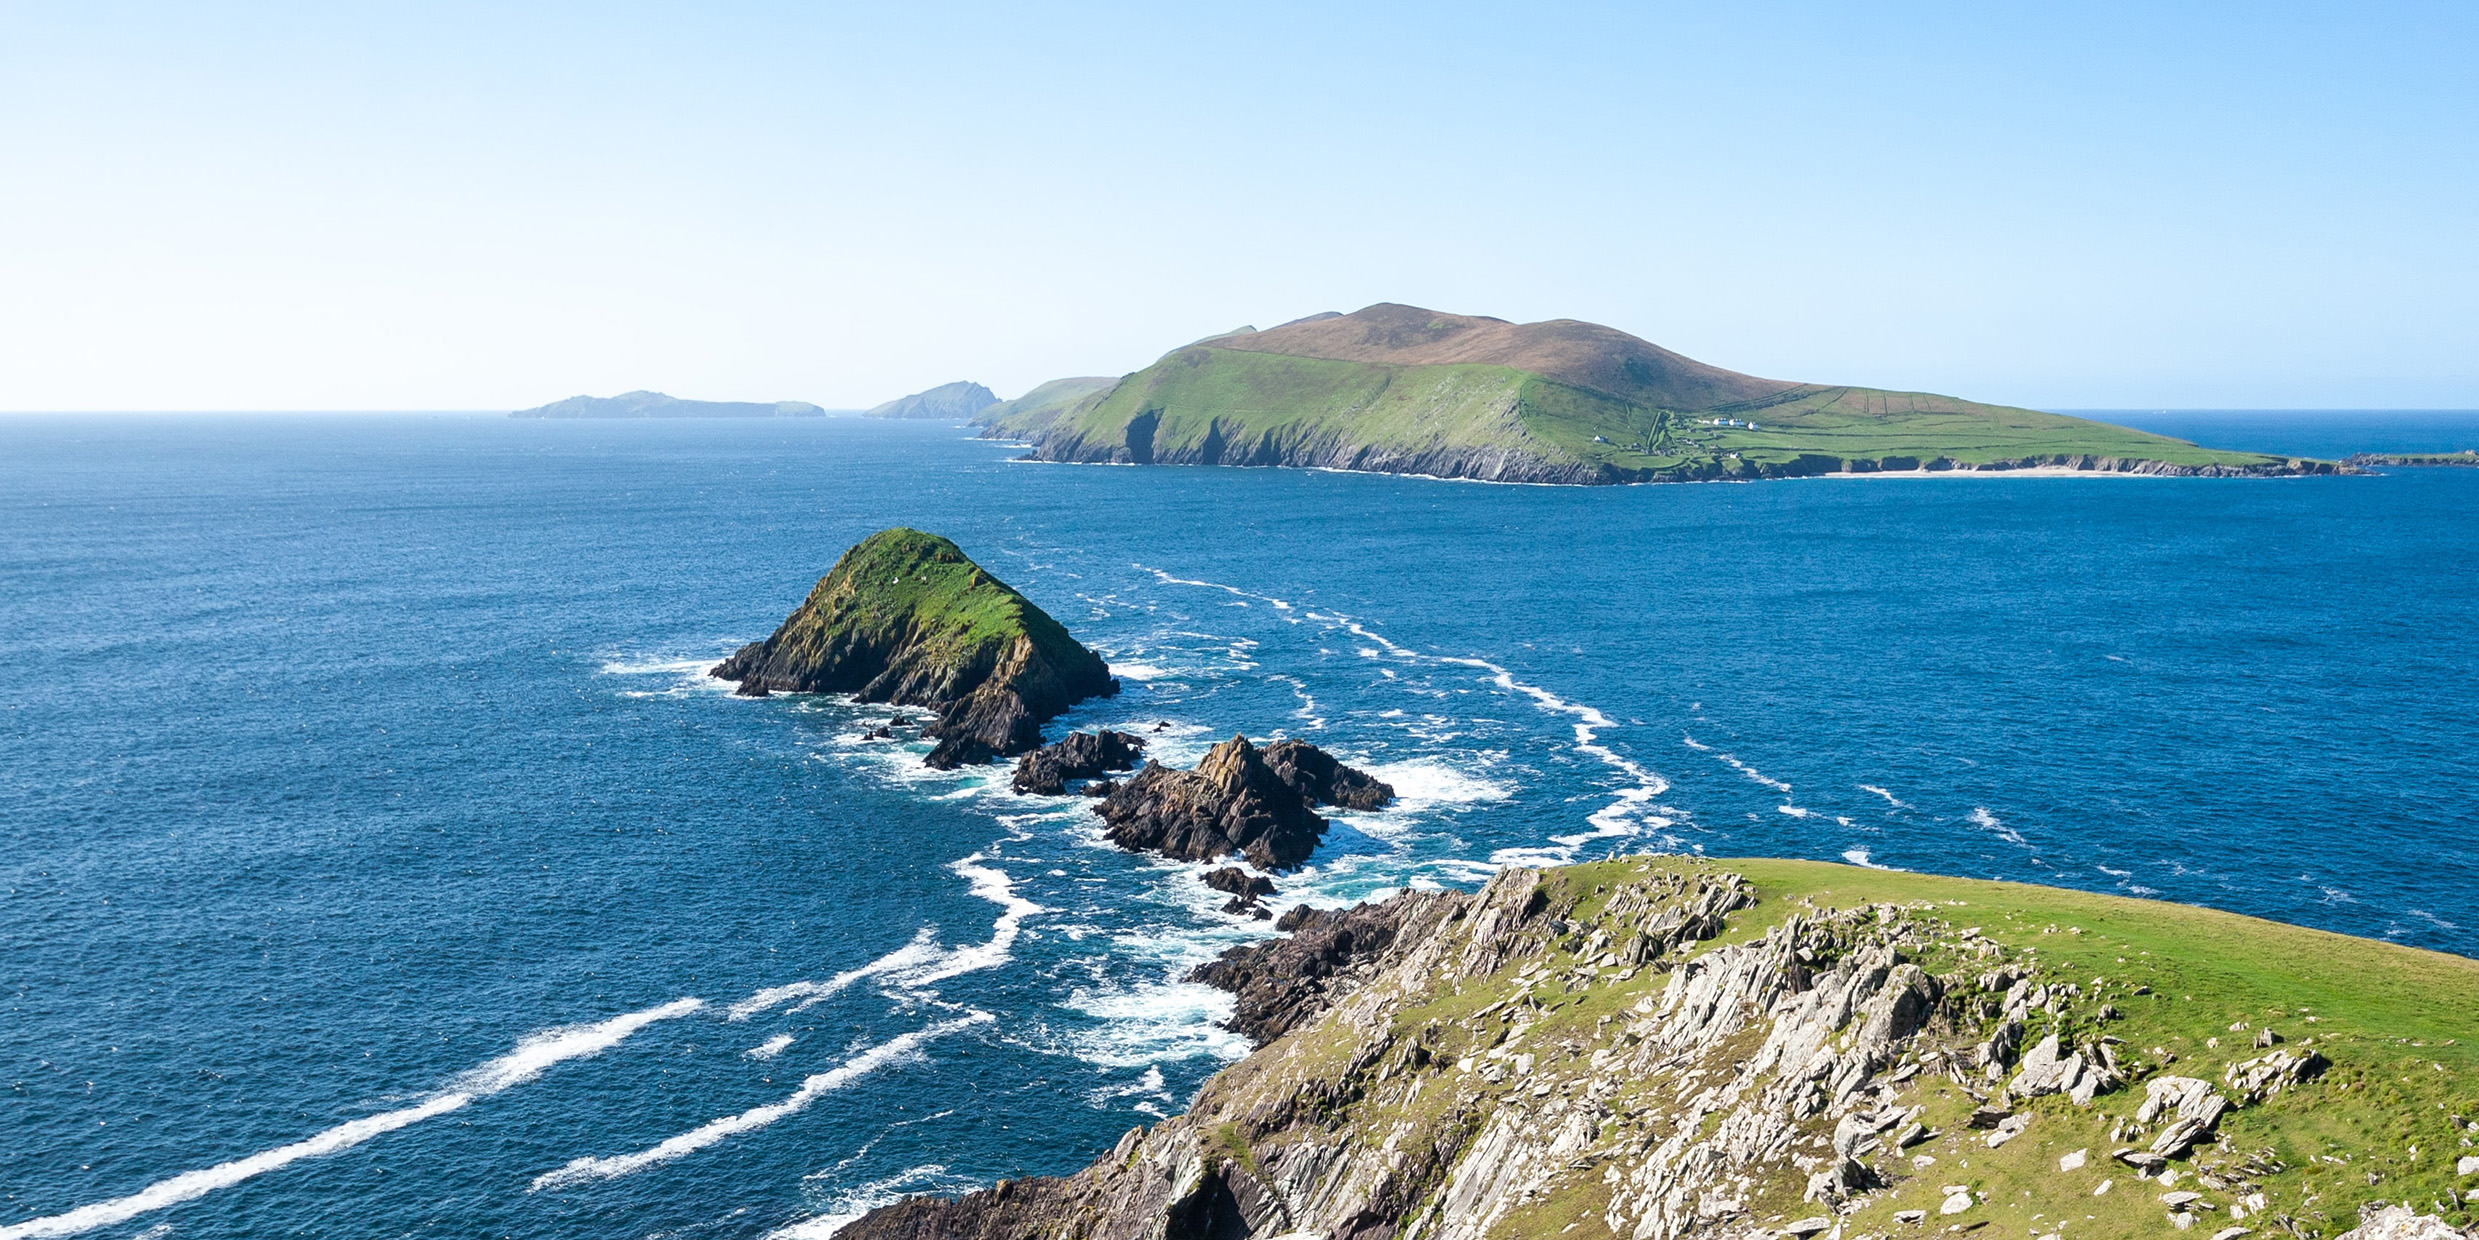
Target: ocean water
379	862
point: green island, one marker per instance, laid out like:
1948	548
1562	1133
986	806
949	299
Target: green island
1400	389
1658	1047
906	618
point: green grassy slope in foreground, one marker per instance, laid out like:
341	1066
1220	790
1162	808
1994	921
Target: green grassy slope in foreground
1404	390
1666	1047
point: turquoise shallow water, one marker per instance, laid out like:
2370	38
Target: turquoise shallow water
379	863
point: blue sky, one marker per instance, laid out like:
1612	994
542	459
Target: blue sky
243	206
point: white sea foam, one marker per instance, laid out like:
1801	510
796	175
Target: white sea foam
895	1049
769	1048
1420	783
868	1197
922	949
1859	856
992	885
1890	798
1139	671
1754	774
1796	811
1980	817
532	1056
1154	1022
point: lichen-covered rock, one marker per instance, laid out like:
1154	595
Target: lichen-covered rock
905	617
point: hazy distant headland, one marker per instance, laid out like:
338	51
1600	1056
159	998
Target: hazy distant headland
657	405
953	401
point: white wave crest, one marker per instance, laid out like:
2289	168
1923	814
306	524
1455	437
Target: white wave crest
533	1055
770	1048
1796	811
1859	856
583	1170
922	949
868	1197
1980	817
1890	798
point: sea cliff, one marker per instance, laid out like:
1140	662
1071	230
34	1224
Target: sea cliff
1658	1048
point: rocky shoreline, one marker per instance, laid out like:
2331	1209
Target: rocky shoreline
1513	465
1597	1047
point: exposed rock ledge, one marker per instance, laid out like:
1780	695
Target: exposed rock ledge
1239	800
905	618
1083	755
1438	1074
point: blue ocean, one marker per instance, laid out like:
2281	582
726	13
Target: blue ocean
380	862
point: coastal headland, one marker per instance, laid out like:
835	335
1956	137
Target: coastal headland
1664	1047
1401	389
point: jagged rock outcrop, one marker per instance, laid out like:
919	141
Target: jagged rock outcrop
1237	802
1430	1071
1283	983
906	618
1646	1049
1082	755
1247	891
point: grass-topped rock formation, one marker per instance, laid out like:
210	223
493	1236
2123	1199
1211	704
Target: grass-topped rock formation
906	618
1660	1048
1399	389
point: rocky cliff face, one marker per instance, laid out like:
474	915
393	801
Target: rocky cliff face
1239	800
905	618
1641	1049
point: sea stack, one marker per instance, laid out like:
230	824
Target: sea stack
906	618
1241	800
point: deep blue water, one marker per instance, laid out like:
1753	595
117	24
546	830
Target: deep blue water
361	789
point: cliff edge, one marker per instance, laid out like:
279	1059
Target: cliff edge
1659	1048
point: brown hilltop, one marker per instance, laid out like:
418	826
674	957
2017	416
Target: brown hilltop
1586	355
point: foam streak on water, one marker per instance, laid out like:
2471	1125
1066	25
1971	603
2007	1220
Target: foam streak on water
893	1050
529	1060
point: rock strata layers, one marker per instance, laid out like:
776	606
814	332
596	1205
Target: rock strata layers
1239	801
906	618
1431	1068
1083	755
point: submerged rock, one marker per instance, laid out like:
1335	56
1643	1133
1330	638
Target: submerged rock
1236	801
1083	755
906	618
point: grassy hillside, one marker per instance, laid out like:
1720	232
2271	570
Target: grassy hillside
1563	402
1043	405
2182	990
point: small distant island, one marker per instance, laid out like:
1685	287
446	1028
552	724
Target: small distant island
643	404
1401	389
954	402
